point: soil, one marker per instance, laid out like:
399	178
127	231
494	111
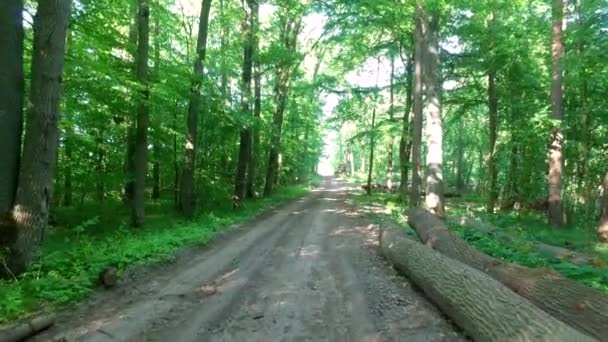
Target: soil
306	271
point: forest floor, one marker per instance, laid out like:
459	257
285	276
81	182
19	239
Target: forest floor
308	270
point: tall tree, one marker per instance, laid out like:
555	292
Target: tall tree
132	47
35	187
187	202
418	106
143	114
257	106
405	145
391	139
290	29
602	230
432	81
493	118
240	184
11	100
555	208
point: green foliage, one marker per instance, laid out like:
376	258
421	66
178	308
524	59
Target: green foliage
68	269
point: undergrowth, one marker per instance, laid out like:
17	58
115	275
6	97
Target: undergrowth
90	238
527	228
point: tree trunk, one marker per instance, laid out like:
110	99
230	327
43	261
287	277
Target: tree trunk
480	305
555	210
143	115
130	136
493	118
575	304
602	230
257	107
434	157
245	148
187	202
36	173
11	101
156	172
460	168
372	143
391	138
405	145
418	104
100	192
289	38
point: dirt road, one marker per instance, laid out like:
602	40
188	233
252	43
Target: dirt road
308	271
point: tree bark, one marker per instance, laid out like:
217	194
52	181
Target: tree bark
418	104
11	101
245	148
434	157
37	169
405	145
187	202
138	214
289	38
483	307
555	213
602	229
131	122
391	139
493	118
257	107
575	304
372	143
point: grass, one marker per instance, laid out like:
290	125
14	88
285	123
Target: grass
526	228
92	237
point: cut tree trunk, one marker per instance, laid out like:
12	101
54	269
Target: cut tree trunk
547	250
575	304
482	306
26	329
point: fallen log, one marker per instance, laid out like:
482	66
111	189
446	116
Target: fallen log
482	306
575	304
26	329
547	250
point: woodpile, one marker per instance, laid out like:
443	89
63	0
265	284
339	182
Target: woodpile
581	307
479	304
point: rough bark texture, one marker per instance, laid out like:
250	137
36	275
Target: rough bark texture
245	148
24	329
138	214
417	115
602	230
187	201
575	304
289	39
547	250
11	100
434	157
36	173
483	307
257	107
555	210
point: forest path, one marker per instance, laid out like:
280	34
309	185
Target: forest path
307	271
